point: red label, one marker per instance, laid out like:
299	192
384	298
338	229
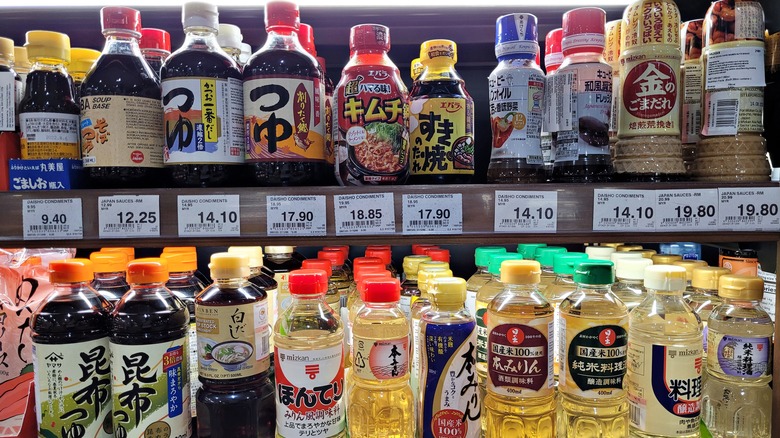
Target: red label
448	424
650	90
517	357
137	157
173	358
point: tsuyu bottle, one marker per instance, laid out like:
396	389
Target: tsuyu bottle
110	280
149	355
71	355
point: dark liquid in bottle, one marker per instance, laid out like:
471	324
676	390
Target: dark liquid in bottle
585	169
201	64
121	75
48	92
264	281
286	173
111	289
144	317
71	318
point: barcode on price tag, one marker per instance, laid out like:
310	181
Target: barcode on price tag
209	215
45	219
366	213
684	210
749	209
623	210
128	216
525	212
296	215
433	213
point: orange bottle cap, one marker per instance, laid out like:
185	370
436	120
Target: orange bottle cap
147	270
71	271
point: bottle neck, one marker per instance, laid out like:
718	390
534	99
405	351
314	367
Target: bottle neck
668	293
600	289
184	275
630	281
369	57
581	58
439	69
745	304
201	38
76	287
146	288
521	289
518	56
155	54
283	38
230	283
383	306
107	276
50	65
121	44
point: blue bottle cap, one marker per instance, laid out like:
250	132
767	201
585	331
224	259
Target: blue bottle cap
516	34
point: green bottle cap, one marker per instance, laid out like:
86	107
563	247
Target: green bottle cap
566	263
527	250
595	272
544	255
494	263
481	254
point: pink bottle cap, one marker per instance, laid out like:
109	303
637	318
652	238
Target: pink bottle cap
280	13
583	31
306	37
120	18
369	37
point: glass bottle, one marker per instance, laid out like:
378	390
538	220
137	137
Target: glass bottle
564	266
229	39
482	276
630	286
110	280
155	46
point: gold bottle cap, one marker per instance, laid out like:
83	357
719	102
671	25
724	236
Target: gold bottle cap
42	44
520	272
646	253
689	265
627	248
665	259
706	277
424	277
412	263
741	287
448	292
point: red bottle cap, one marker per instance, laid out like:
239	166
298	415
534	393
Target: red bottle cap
438	254
379	275
583	31
308	282
306	38
280	13
321	60
120	18
381	290
342	248
322	264
335	256
553	54
419	249
155	39
379	247
369	37
383	254
366	261
371	271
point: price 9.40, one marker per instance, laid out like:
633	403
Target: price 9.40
54	219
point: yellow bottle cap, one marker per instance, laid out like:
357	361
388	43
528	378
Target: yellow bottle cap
612	245
445	51
279	249
108	261
71	271
229	265
253	253
412	263
448	292
82	60
520	272
665	259
627	248
424	266
129	252
416	68
741	287
7	48
45	45
706	277
181	261
424	277
646	253
665	278
689	265
21	62
147	270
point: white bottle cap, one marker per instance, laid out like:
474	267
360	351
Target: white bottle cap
665	277
246	52
624	255
229	36
279	249
599	252
631	269
200	14
776	174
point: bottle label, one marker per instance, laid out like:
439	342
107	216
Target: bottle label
73	388
203	120
283	119
651	24
233	340
516	94
330	151
692	109
151	389
380	359
405	304
748	22
520	360
615	107
122	131
373	137
735	65
650	104
739	356
8	101
593	353
442	136
471	302
664	387
728	112
310	391
482	332
451	403
193	363
49	135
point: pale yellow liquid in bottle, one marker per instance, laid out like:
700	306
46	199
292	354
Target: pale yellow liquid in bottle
473	285
630	292
484	296
548	278
555	294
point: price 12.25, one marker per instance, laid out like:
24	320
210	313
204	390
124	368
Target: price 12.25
140	217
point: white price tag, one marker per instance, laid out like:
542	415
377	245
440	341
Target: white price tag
749	209
366	213
525	212
45	219
433	213
296	215
623	210
684	210
125	216
209	215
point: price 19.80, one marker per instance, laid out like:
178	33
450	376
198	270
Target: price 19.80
635	213
757	210
142	217
438	213
297	216
702	211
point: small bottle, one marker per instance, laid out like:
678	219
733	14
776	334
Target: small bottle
110	280
410	289
229	38
520	386
581	142
441	123
71	355
691	41
415	69
333	297
737	397
546	256
528	250
516	89
381	402
564	267
81	62
704	298
339	279
630	285
450	394
280	261
149	343
237	397
739	261
599	252
665	346
482	276
22	64
156	47
386	255
553	58
309	354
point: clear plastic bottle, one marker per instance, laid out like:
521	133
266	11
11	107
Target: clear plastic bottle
339	279
482	276
348	317
689	266
564	265
362	264
545	256
70	335
630	285
280	261
347	261
229	39
22	64
520	396
381	403
438	254
155	45
593	340
333	297
665	359
410	289
553	58
704	297
737	399
386	255
528	250
110	280
309	353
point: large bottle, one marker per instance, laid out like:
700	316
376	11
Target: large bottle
156	47
237	397
665	349
737	399
71	355
381	403
410	289
482	276
441	123
564	267
594	336
309	357
149	355
110	280
121	115
280	261
630	287
284	106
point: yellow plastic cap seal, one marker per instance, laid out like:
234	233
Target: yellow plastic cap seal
448	292
21	62
412	263
626	248
706	277
279	249
181	261
741	287
445	51
688	265
253	253
425	266
71	271
42	44
424	278
82	60
416	68
108	261
7	48
665	277
665	259
129	252
229	265
520	272
147	270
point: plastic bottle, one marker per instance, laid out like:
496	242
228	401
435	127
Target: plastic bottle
438	254
129	252
704	298
553	58
362	263
630	287
309	353
691	42
71	355
237	397
528	250
594	332
22	64
246	53
737	398
545	256
450	402
110	279
689	265
665	259
155	46
665	365
613	33
280	261
410	289
333	297
481	277
416	68
282	72
347	260
81	62
439	100
339	279
739	261
384	254
348	315
564	266
381	403
520	386
10	92
149	355
48	113
599	252
229	38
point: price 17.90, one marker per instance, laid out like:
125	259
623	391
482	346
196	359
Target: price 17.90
635	213
757	210
438	213
142	217
298	216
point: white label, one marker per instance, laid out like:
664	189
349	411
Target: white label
692	110
684	210
616	210
46	219
770	288
296	215
722	116
525	212
471	302
735	67
748	20
433	213
7	101
49	127
209	215
128	216
749	209
516	94
366	213
583	40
